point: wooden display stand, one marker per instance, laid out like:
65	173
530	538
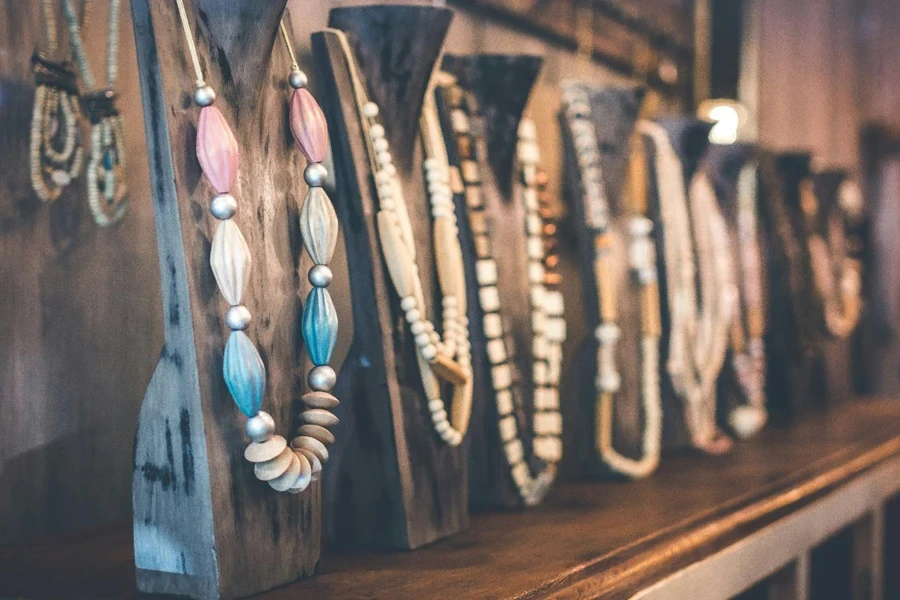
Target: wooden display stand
501	85
204	526
614	111
392	482
690	139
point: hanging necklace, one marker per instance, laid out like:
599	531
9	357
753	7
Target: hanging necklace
438	358
698	339
547	320
837	287
642	262
282	467
54	117
106	186
748	325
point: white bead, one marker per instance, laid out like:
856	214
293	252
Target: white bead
377	131
370	110
408	303
413	316
230	261
428	352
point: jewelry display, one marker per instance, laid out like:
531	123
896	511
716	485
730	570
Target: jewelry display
642	263
548	324
446	357
699	336
55	152
748	326
106	182
836	275
284	468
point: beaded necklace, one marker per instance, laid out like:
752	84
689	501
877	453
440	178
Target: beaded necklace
748	325
447	358
642	262
106	182
54	117
285	469
548	324
837	287
698	339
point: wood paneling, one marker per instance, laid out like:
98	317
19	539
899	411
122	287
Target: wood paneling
81	318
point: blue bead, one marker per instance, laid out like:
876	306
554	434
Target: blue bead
320	326
110	159
245	373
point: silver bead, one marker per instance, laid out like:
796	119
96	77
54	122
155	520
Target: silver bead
223	206
297	79
322	378
261	427
204	95
238	318
315	174
320	276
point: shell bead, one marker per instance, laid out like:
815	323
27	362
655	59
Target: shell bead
308	126
318	226
230	261
245	373
320	326
217	149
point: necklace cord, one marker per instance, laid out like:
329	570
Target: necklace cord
192	47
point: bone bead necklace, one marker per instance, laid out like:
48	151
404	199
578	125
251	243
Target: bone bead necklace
446	358
548	324
55	152
748	328
699	336
285	469
642	262
836	287
106	185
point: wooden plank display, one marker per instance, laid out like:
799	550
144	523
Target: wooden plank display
392	481
690	139
204	526
614	111
724	163
501	85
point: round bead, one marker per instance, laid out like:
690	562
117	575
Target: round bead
370	110
322	378
204	95
238	318
223	206
320	276
315	174
261	427
408	303
297	79
376	131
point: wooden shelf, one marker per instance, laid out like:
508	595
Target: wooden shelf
588	540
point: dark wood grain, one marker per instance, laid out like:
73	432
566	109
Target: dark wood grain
204	526
392	482
589	540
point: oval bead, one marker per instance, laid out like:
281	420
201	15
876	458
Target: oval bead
230	261
217	149
308	126
318	226
245	373
320	326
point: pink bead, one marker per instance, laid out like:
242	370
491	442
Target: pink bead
309	126
217	149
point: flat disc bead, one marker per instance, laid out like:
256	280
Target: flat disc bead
283	482
270	469
306	474
258	452
319	400
308	126
317	432
313	445
318	416
314	461
217	149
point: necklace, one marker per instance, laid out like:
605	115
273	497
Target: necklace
837	287
642	262
748	327
698	339
547	320
54	117
283	468
447	358
106	185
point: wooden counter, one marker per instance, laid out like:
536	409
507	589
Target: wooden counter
603	540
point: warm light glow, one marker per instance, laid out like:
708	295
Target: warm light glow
728	117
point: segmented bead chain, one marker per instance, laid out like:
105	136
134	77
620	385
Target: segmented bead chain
642	261
448	358
54	118
106	182
285	469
